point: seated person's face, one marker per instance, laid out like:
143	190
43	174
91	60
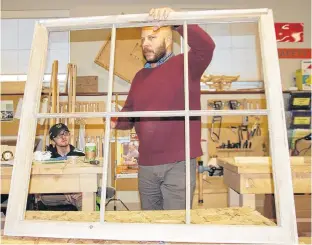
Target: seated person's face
62	139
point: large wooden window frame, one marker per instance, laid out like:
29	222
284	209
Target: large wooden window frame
285	232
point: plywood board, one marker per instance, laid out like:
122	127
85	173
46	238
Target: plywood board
87	84
128	55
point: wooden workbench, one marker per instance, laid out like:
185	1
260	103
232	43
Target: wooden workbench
253	178
245	180
62	177
225	216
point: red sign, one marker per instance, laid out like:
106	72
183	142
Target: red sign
294	53
289	32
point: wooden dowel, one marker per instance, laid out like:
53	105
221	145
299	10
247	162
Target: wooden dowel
73	109
54	89
70	77
48	122
67	77
57	99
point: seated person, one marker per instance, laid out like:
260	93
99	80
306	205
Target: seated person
60	135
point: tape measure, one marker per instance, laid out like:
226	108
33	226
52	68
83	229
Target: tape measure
7	155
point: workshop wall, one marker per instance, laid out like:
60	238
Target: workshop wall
284	11
239	53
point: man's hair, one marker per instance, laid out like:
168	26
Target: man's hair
56	129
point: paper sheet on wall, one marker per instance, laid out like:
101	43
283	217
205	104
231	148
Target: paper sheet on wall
7	110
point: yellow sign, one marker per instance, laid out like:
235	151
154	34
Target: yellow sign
302	120
301	101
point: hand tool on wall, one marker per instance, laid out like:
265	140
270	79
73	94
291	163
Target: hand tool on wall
245	118
303	150
255	130
213	135
233	104
216	105
247	143
241	129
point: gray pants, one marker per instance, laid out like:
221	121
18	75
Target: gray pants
61	199
162	187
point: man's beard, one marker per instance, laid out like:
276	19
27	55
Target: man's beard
159	53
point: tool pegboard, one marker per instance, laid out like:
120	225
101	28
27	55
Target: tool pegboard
239	104
237	135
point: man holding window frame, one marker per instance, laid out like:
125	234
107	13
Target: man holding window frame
159	86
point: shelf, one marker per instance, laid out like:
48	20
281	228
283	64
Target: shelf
202	92
234	150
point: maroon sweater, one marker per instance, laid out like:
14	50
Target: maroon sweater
162	89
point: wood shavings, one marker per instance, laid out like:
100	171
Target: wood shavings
217	216
233	216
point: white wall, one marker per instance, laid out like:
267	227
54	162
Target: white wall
16	40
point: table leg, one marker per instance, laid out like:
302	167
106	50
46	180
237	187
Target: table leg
233	198
88	201
247	200
241	200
